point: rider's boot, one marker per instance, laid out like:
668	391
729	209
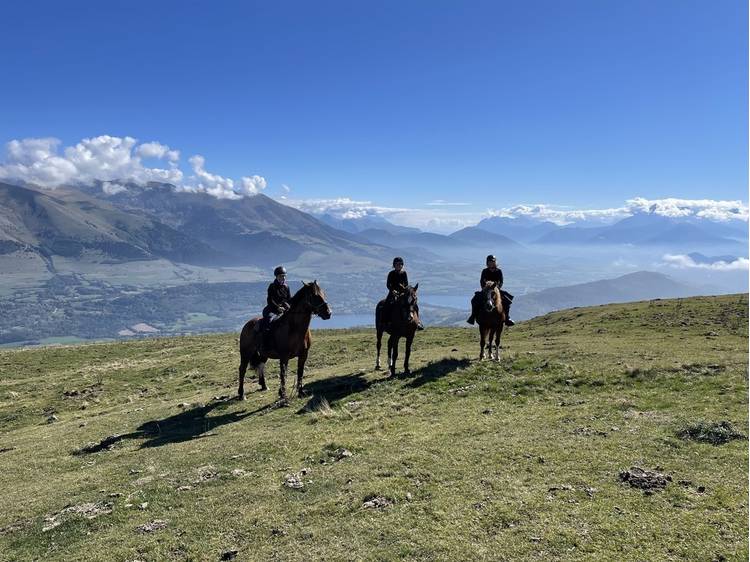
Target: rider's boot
509	322
420	326
470	319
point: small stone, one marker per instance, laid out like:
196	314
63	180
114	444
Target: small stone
184	488
52	419
378	502
143	506
152	526
409	497
535	539
229	554
183	405
239	472
293	481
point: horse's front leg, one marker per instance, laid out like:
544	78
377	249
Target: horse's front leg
482	340
491	344
379	343
392	354
300	370
407	353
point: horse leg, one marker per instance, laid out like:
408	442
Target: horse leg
392	354
300	371
497	342
407	353
261	371
380	338
482	339
243	368
283	364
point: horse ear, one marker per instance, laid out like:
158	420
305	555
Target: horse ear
304	284
416	286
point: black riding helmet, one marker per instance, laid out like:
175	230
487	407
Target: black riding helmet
398	259
490	258
281	270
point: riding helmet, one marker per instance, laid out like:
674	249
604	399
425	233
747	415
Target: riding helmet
491	258
281	270
398	259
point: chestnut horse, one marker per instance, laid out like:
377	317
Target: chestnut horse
401	323
290	337
491	319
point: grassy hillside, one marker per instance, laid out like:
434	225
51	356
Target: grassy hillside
128	451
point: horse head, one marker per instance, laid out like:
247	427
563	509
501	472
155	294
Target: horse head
315	299
490	296
408	303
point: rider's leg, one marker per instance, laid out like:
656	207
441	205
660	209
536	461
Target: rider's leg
474	303
507	301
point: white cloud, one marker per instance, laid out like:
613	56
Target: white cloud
252	185
437	220
115	161
702	208
710	209
682	261
560	215
285	188
444	203
157	150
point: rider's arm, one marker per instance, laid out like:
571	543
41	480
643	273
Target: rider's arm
500	281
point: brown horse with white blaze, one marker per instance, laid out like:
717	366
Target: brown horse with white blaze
290	338
491	319
402	322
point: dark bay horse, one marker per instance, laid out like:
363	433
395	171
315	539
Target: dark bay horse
290	338
491	319
401	323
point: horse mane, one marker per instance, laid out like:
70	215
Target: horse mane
295	300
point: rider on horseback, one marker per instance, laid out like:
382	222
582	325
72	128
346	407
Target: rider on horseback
492	273
277	302
397	283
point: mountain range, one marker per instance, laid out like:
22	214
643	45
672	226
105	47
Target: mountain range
638	286
155	221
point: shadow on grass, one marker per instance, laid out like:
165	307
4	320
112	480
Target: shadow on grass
194	423
434	371
334	389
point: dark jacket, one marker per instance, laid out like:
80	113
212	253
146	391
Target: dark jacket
488	275
278	295
397	280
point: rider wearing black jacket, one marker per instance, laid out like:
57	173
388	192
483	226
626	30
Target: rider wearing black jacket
494	274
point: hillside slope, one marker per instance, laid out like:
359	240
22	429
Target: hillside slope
130	450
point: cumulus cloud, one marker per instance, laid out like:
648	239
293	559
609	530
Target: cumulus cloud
702	208
115	161
682	261
710	209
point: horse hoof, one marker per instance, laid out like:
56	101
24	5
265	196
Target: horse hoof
378	368
302	393
407	372
241	397
263	388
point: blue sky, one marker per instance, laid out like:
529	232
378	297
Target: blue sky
579	103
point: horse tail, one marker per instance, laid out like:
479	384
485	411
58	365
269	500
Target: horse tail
248	346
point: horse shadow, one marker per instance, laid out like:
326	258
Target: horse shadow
193	423
433	371
335	389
